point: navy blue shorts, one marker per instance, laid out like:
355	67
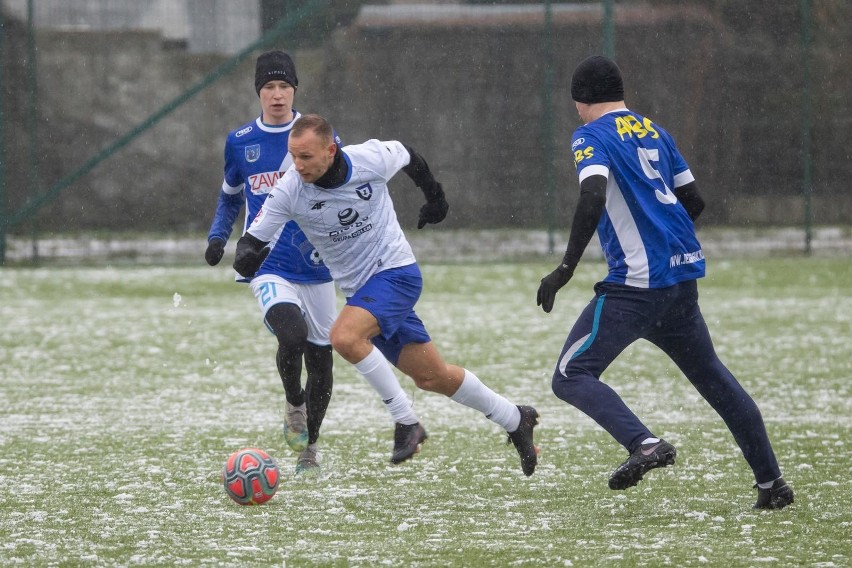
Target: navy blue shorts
621	314
390	296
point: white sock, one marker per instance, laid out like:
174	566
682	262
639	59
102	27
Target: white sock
649	441
767	484
475	394
376	369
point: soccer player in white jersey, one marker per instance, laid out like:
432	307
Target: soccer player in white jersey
339	197
293	287
637	190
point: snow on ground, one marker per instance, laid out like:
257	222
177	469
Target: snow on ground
123	389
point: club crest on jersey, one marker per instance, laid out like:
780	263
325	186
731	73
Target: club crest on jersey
252	153
365	191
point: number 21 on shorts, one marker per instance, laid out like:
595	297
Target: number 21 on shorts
267	292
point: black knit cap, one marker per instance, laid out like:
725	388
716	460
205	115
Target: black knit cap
274	66
597	79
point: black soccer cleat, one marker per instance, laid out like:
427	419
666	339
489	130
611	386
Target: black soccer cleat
523	439
643	459
776	497
406	441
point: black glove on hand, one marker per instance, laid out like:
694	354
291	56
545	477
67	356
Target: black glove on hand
215	251
550	285
433	211
250	254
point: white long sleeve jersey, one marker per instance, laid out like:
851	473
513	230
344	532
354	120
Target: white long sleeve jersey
354	227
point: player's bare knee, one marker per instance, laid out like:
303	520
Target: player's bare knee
432	382
425	383
344	342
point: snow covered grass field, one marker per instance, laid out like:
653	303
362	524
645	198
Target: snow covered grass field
123	390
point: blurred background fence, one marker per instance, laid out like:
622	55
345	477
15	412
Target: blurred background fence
114	113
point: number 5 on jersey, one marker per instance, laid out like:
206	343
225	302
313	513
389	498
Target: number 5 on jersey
646	156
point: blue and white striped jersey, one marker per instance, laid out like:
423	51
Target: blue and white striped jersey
648	239
255	157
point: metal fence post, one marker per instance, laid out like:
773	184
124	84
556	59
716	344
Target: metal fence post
32	118
609	29
807	159
547	125
3	216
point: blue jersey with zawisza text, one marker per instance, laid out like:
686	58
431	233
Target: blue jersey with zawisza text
648	239
256	156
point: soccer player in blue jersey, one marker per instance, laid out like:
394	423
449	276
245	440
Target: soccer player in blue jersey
293	286
638	192
340	198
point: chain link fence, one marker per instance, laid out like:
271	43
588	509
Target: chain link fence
114	113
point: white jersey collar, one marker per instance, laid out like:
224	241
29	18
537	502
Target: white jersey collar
279	127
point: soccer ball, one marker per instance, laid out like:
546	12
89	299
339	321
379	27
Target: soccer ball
250	476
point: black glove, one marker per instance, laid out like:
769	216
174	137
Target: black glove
550	285
250	254
433	212
215	251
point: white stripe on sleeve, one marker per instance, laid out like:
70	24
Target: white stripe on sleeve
683	178
593	170
229	189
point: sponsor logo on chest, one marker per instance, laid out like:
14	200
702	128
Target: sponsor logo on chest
263	182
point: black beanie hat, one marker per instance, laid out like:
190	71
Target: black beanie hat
597	79
274	66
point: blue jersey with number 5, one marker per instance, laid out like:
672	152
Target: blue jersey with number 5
648	239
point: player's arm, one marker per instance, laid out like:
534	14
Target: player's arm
231	200
690	199
227	208
251	252
586	217
252	248
436	207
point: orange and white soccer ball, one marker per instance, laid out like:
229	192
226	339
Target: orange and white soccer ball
250	476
